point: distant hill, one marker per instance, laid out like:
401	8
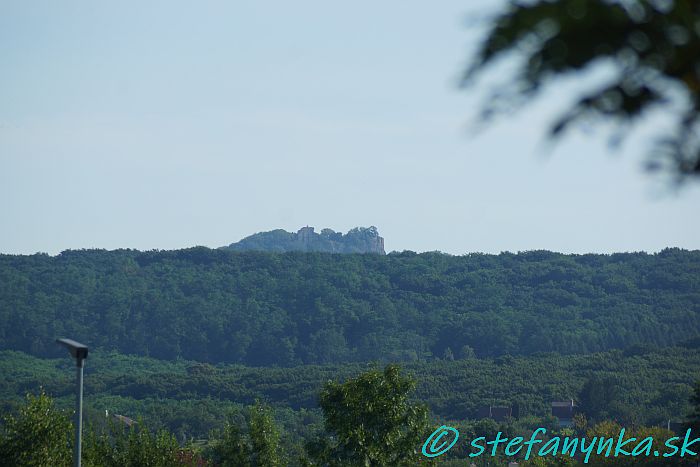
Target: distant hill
357	240
285	309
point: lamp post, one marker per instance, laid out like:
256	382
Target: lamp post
80	353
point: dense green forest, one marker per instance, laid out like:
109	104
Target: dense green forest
194	341
189	398
262	309
38	433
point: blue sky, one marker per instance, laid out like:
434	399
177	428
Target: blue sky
173	124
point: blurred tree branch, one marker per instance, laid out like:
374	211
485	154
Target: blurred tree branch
653	45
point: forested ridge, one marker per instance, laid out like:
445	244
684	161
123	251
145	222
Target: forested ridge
211	345
261	309
189	398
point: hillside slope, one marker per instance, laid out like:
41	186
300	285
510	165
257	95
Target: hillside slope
286	309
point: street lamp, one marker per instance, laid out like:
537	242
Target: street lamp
80	353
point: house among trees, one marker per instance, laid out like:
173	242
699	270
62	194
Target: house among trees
121	418
564	411
498	414
125	420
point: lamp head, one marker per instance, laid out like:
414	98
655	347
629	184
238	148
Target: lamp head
76	349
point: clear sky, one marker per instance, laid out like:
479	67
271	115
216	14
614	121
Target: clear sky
167	124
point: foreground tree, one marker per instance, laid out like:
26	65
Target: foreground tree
259	447
651	439
39	435
371	421
121	446
229	448
264	437
694	417
652	47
